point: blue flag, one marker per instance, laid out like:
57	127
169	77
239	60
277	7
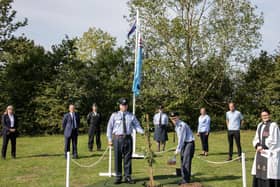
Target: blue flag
138	69
133	28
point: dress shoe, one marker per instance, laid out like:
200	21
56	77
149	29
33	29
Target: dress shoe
129	180
118	181
75	157
229	159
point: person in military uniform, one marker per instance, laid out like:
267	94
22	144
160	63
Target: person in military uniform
119	132
185	146
94	121
160	121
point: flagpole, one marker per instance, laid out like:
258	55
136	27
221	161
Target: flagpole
134	155
135	59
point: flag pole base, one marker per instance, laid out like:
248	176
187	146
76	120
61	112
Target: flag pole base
107	174
139	156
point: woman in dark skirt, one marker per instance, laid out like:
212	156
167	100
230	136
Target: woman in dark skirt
266	166
160	121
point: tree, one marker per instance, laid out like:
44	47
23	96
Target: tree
191	48
7	16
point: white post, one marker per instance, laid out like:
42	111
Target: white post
243	170
109	174
67	169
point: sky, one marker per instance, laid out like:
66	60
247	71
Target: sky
50	20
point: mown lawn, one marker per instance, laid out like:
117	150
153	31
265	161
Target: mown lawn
40	162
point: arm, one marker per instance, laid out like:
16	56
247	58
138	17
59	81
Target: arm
110	128
88	118
137	126
181	138
78	120
208	124
64	121
273	137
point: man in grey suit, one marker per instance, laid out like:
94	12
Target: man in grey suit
70	125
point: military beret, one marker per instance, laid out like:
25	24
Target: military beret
123	101
174	114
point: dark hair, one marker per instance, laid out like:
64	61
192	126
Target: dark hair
265	110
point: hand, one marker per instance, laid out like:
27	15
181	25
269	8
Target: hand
197	134
259	149
176	152
110	143
206	133
12	130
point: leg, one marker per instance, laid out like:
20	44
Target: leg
206	143
5	145
90	142
201	135
118	157
74	144
98	140
66	145
127	150
163	145
13	144
158	146
187	155
237	141
230	141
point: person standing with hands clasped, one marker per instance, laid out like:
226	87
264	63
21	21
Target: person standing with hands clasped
185	146
9	122
266	166
203	130
70	125
119	132
94	121
160	121
234	120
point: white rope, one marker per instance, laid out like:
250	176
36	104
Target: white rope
224	162
93	164
161	152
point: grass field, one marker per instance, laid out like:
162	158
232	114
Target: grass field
40	162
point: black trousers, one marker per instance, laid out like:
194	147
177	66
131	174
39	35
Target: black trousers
265	183
123	150
96	133
74	139
6	137
187	153
236	136
204	140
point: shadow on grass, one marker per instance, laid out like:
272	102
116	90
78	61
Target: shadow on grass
42	155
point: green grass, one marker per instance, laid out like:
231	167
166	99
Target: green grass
40	162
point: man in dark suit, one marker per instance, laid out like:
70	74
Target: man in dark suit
94	120
70	125
9	122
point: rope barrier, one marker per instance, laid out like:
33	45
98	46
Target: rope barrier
93	164
224	162
161	152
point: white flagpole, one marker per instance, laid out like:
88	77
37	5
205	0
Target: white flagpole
134	155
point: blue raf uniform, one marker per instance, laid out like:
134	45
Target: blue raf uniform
119	130
185	147
160	121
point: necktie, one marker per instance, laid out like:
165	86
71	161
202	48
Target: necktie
124	125
159	124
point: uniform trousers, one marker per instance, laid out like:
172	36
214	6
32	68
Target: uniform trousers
187	154
122	151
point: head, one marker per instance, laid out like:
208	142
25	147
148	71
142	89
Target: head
94	107
174	116
231	106
265	115
160	108
203	111
10	110
71	108
123	104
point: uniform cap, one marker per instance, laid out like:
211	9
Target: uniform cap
174	114
123	101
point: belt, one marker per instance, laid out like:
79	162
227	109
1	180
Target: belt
121	136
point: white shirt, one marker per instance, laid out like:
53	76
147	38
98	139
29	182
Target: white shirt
12	119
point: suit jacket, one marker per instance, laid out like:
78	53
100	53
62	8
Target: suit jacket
6	122
67	124
93	122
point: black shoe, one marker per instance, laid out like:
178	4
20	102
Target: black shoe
229	159
75	157
90	150
180	183
3	158
118	181
13	157
98	149
129	180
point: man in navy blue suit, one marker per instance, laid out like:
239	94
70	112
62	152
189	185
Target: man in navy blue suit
70	125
